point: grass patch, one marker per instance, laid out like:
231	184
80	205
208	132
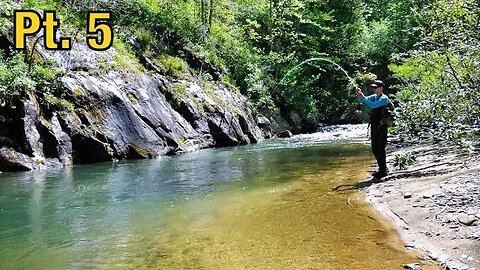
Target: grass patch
58	102
171	66
123	62
132	98
125	58
179	91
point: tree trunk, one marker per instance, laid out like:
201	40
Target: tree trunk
203	29
210	16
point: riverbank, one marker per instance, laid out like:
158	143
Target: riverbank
434	203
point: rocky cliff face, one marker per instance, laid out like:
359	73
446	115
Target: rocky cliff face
120	114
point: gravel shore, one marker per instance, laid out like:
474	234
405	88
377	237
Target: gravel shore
434	203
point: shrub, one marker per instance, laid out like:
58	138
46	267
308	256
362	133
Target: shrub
403	160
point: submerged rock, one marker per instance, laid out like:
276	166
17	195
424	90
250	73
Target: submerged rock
411	266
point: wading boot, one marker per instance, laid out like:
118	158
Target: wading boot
380	173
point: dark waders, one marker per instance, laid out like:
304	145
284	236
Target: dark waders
378	134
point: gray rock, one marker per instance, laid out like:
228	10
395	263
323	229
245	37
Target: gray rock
80	57
263	122
466	219
33	138
122	114
409	246
64	142
10	160
407	195
279	123
225	130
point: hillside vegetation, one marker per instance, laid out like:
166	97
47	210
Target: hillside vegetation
426	50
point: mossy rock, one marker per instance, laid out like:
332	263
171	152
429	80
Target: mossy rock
137	152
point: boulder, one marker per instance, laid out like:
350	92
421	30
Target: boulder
263	122
225	129
11	161
284	134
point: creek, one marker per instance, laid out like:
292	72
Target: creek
272	205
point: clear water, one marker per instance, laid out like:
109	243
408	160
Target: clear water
265	206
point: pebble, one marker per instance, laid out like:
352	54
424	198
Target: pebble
409	246
407	195
411	266
466	219
432	256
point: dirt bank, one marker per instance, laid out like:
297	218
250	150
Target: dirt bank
434	203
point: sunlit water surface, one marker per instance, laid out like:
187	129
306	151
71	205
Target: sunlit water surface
273	205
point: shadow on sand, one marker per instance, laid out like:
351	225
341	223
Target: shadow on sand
360	185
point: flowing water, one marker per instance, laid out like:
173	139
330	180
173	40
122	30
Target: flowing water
280	204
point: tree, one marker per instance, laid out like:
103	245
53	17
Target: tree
441	72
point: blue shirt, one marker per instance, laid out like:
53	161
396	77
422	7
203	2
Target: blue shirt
373	101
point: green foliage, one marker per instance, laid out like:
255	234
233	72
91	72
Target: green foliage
17	77
6	13
440	96
14	76
376	41
172	66
179	91
123	62
403	160
125	58
258	90
60	103
132	98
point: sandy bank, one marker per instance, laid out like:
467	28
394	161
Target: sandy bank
434	204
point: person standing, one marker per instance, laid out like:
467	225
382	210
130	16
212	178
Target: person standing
378	102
